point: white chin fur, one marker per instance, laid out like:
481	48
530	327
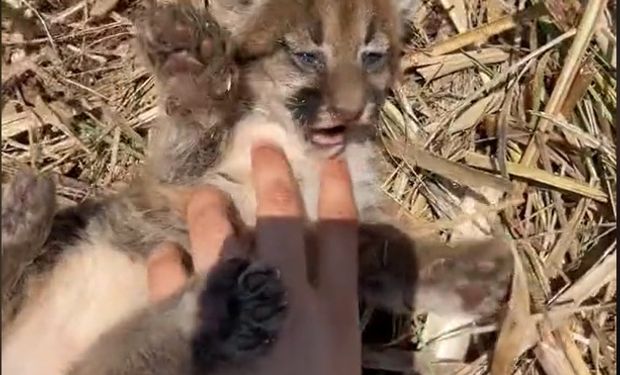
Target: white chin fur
255	128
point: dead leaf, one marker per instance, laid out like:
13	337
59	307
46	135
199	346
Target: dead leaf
453	63
474	114
592	281
47	115
518	331
550	354
18	122
15	70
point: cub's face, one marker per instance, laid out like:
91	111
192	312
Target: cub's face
322	67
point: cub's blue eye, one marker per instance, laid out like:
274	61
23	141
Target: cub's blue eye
373	61
308	59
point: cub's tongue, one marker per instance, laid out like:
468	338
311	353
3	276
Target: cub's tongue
328	137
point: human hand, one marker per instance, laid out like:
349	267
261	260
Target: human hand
321	333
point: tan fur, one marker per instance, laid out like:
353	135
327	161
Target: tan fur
50	332
273	80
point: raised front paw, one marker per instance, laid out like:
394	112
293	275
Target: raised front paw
28	205
251	317
181	41
190	55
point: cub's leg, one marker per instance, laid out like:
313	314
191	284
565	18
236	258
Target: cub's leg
399	273
28	207
457	284
228	320
191	59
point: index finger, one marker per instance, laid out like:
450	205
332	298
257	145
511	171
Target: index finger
279	211
336	198
277	193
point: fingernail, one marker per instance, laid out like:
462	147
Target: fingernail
265	145
265	150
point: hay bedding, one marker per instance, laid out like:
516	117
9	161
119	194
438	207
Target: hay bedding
511	112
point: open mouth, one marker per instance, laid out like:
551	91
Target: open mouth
328	137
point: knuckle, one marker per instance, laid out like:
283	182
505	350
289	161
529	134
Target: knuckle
282	198
165	254
220	228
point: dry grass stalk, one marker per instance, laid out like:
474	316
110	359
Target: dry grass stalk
572	352
551	356
503	77
482	33
476	112
416	156
421	60
538	175
457	13
592	281
439	66
553	262
518	331
578	89
76	104
570	68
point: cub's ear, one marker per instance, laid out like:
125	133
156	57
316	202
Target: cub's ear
231	14
406	12
407	7
264	26
254	25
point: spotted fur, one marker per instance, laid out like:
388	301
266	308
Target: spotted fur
308	75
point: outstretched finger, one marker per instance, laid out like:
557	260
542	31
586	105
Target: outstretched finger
209	226
279	211
337	236
165	272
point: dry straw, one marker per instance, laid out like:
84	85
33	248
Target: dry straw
515	97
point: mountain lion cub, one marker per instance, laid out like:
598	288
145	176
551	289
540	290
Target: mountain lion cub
307	75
